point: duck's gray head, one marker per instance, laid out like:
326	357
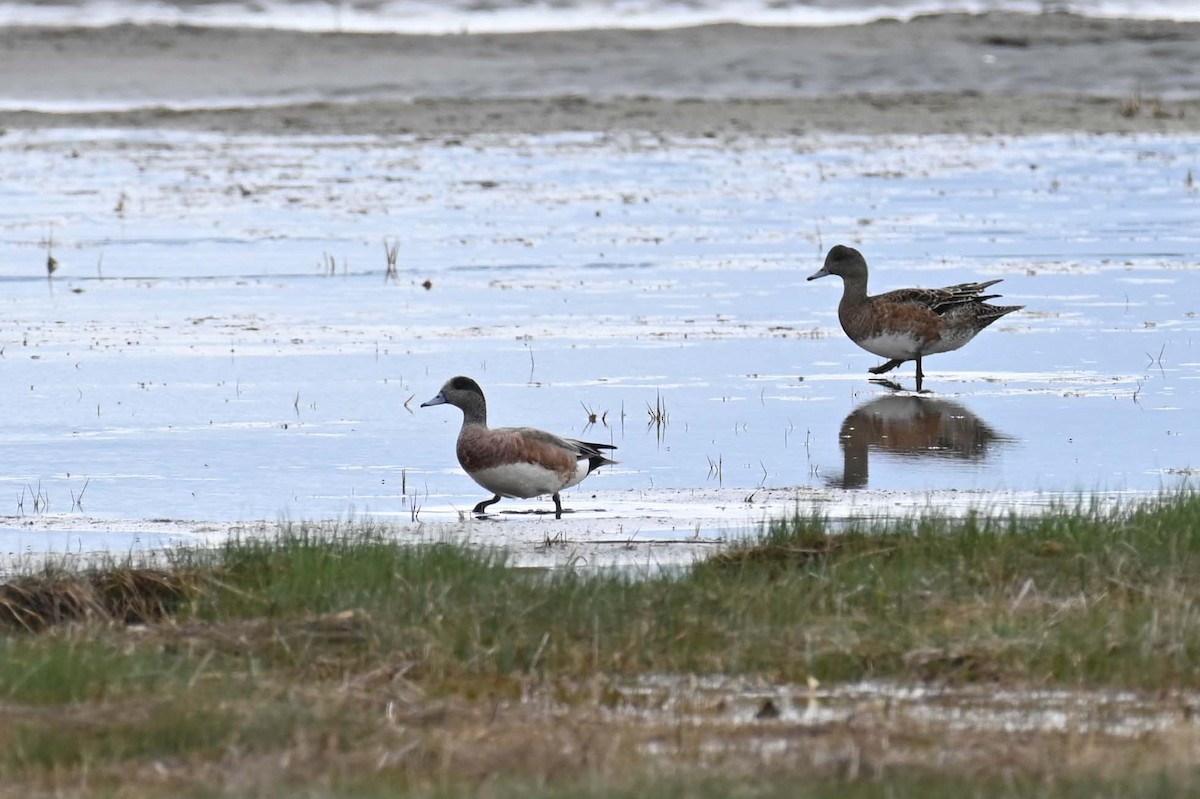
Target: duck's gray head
845	262
461	392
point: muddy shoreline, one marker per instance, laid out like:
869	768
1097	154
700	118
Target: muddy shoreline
991	74
919	114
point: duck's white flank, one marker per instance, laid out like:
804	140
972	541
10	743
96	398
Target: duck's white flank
903	346
898	346
526	480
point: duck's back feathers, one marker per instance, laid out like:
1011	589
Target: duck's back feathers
939	300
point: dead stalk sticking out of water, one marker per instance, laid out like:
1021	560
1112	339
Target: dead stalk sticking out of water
392	250
658	415
51	261
593	417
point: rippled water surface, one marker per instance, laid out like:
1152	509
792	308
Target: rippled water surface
220	340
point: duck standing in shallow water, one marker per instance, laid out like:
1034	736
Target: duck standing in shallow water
515	462
908	324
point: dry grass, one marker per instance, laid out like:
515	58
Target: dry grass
126	595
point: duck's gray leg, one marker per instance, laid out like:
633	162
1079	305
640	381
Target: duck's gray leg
920	374
557	506
482	506
887	367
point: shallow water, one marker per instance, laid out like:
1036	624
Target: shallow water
192	357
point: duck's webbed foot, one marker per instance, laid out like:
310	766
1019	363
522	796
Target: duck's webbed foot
483	506
886	367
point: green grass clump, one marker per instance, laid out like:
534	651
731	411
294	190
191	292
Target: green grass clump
1067	596
80	666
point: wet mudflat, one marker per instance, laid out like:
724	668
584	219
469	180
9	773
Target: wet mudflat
221	343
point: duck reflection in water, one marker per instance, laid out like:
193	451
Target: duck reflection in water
913	427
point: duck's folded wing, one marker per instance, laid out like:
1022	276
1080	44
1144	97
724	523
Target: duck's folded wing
589	450
580	449
941	300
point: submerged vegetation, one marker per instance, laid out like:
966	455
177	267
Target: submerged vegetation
341	661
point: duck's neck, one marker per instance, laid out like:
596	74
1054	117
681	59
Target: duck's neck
854	290
475	414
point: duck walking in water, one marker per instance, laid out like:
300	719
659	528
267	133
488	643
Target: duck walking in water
515	462
908	324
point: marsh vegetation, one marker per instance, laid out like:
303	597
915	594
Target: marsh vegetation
330	660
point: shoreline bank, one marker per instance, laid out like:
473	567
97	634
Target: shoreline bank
1004	74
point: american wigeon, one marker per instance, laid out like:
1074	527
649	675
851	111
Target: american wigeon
908	324
515	462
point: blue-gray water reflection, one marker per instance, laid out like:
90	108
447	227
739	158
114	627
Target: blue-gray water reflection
913	428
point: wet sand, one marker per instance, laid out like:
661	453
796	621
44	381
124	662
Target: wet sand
1002	74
